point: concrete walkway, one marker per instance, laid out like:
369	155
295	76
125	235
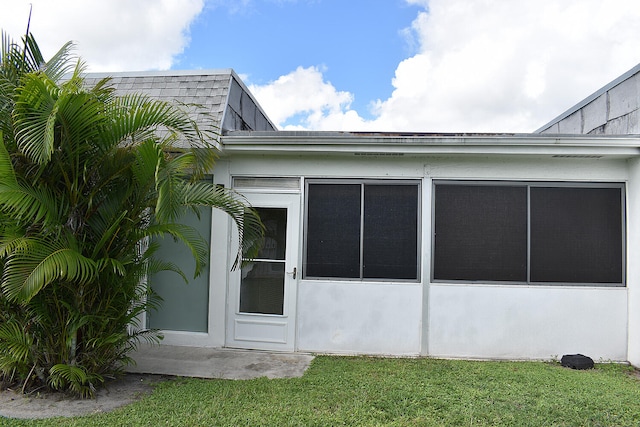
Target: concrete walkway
218	362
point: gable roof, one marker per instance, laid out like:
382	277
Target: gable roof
221	93
612	110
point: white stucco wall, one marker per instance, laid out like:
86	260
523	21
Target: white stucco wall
530	322
633	266
369	318
527	322
440	319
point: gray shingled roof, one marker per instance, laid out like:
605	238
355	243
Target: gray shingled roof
220	93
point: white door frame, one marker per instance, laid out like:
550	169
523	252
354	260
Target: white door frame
269	331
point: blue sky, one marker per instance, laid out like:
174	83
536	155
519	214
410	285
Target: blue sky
357	42
377	65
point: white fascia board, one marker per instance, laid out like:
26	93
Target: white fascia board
567	145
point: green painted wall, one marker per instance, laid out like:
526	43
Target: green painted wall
185	306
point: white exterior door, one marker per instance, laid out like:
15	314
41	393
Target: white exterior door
262	295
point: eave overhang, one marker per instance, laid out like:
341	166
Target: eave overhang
398	144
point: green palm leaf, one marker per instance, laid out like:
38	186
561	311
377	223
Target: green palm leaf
251	229
110	234
156	266
6	167
16	342
39	263
47	116
137	117
61	63
24	202
186	234
149	158
10	243
76	378
35	112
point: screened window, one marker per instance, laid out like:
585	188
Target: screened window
362	230
481	233
529	232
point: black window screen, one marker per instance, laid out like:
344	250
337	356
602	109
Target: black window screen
391	231
480	233
532	233
576	235
333	230
362	230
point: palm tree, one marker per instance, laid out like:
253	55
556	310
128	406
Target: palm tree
89	181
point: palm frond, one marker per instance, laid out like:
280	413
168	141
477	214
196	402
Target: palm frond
187	235
24	202
62	62
6	167
40	263
168	206
149	158
31	54
20	59
157	265
12	66
79	115
75	378
35	115
15	342
10	243
47	116
136	114
251	237
110	234
116	266
250	227
28	204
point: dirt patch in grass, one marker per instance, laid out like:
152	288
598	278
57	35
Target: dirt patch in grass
635	373
114	394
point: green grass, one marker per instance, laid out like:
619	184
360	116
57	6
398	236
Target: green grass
391	392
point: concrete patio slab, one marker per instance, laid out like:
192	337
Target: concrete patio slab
218	362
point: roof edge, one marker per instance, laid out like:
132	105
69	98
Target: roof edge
589	98
330	143
244	87
358	135
164	73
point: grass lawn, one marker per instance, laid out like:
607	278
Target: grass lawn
391	392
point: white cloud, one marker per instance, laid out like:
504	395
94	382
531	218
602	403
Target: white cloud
111	35
304	93
481	66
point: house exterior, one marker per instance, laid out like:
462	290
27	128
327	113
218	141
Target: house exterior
501	246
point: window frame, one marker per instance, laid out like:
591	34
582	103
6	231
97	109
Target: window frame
529	185
363	182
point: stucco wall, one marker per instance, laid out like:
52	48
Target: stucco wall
633	266
527	322
513	322
440	319
453	320
374	318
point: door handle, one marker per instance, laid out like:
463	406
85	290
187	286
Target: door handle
293	273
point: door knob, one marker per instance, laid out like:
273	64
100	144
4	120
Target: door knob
293	273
